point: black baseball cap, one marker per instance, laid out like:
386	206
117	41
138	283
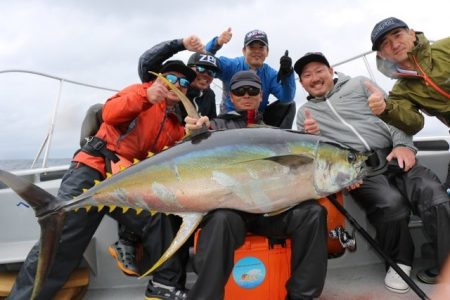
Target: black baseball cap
256	35
307	58
245	78
205	60
180	67
382	28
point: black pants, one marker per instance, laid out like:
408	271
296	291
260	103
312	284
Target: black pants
155	232
224	231
388	200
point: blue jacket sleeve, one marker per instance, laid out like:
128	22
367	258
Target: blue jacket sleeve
212	46
152	59
285	91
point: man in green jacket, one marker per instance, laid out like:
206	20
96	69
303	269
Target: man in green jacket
422	71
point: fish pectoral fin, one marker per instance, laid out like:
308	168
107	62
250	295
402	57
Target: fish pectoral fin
189	224
292	161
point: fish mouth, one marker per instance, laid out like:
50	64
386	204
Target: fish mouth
344	178
362	171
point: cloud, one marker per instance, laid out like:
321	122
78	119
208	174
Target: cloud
99	42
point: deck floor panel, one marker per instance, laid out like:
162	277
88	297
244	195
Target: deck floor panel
353	283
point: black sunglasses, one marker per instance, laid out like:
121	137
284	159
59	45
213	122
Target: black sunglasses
201	69
250	90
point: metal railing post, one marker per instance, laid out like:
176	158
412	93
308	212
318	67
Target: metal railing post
52	125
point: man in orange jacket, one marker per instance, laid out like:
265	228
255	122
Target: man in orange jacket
139	119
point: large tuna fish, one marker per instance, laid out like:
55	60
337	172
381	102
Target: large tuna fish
257	170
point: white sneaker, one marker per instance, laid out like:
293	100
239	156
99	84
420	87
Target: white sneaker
394	282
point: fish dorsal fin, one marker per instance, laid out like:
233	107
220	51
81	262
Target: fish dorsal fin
196	137
292	161
189	224
260	126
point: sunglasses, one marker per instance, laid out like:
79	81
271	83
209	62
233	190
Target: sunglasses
210	72
184	83
251	91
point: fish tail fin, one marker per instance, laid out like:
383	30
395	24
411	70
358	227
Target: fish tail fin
50	219
51	229
40	200
189	224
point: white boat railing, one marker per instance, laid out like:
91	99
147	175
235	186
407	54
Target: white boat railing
47	142
40	170
363	56
366	63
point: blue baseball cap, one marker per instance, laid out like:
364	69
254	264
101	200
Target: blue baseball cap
382	28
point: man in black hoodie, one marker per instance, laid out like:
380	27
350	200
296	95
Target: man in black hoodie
204	64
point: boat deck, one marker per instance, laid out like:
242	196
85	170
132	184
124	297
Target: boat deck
352	283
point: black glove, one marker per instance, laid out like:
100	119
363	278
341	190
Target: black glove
285	67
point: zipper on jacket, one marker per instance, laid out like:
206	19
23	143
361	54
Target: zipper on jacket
349	126
194	101
428	80
166	113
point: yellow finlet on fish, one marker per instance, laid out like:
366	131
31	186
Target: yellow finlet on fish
112	208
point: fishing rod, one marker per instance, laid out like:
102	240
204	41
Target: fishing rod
375	246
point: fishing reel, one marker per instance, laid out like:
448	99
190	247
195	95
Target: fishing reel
347	240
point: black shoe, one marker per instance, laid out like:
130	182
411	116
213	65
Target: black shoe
125	256
429	276
160	291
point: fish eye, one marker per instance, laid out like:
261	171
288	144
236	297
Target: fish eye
351	157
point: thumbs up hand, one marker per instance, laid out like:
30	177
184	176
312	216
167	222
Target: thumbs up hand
376	99
285	67
310	125
225	37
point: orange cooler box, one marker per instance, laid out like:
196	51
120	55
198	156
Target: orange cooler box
260	271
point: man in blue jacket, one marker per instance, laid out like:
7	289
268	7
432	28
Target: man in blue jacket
280	84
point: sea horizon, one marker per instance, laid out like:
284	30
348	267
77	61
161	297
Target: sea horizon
25	163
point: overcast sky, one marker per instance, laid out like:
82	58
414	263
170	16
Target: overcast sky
99	42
